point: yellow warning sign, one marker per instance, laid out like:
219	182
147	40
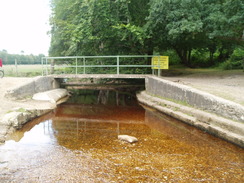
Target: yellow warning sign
160	62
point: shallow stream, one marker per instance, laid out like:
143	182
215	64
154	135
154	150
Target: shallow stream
78	143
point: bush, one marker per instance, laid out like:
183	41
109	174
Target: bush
173	57
199	58
236	60
226	65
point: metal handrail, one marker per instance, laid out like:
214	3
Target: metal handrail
48	63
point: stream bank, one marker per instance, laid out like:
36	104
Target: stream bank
18	107
210	113
215	115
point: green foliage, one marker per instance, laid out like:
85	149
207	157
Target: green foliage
201	32
188	25
236	60
9	59
98	27
173	57
237	55
227	65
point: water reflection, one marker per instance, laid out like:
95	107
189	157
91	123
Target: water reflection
78	142
19	134
104	97
96	125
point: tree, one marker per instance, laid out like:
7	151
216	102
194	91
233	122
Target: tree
223	26
185	25
110	27
23	59
98	27
179	24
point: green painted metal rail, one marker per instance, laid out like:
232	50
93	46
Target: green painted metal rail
138	64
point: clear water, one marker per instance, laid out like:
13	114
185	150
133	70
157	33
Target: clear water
78	143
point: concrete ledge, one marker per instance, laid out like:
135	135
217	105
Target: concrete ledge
227	129
38	84
52	96
193	97
16	119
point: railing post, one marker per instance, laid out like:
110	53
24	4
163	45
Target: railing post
118	65
52	66
76	64
84	64
42	67
46	67
158	66
152	65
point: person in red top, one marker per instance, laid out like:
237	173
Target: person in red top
1	70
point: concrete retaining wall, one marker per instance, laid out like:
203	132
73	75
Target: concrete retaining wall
38	84
193	97
227	129
207	112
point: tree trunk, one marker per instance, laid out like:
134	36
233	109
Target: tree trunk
224	53
211	56
189	56
185	56
149	51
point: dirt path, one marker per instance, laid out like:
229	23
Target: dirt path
230	86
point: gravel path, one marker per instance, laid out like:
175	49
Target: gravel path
230	87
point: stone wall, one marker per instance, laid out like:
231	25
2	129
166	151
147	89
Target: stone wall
193	97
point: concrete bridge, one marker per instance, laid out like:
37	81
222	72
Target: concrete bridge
100	76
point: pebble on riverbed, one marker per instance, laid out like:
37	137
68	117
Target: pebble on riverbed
127	138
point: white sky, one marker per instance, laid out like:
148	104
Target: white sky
24	25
